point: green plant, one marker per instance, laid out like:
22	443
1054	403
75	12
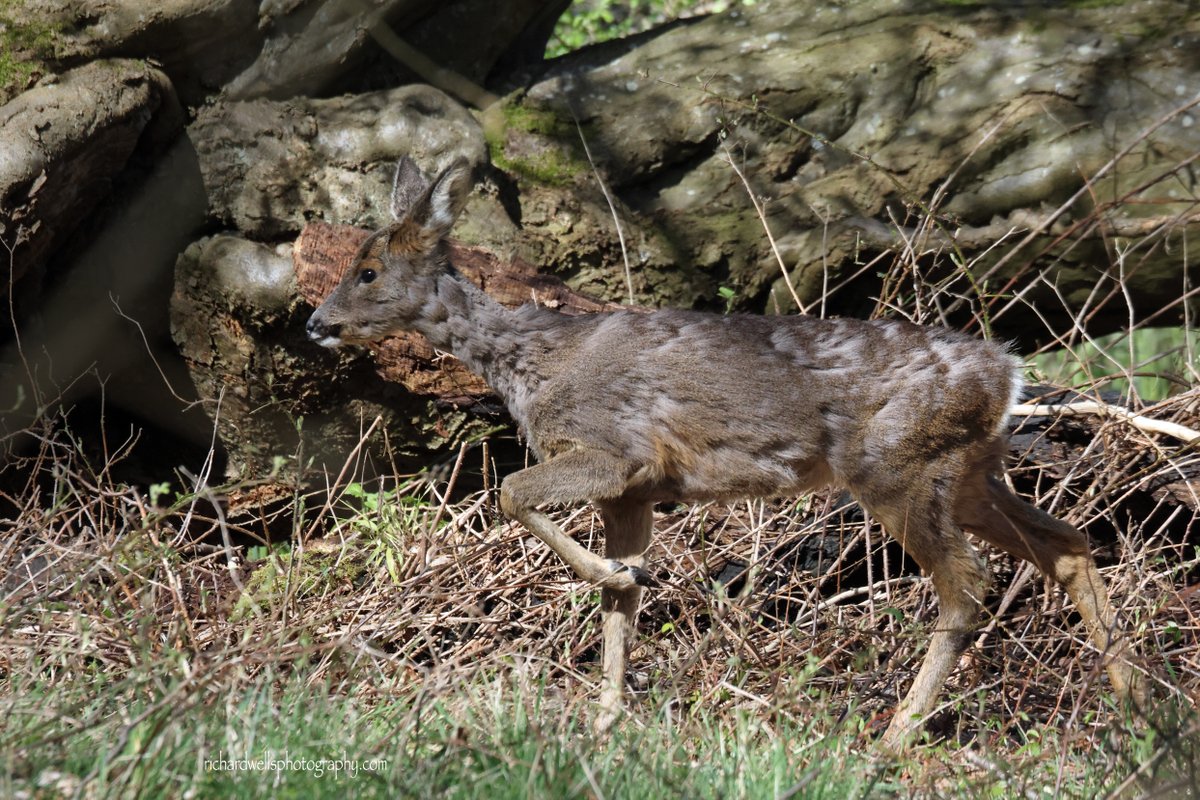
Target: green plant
593	21
730	297
24	45
385	521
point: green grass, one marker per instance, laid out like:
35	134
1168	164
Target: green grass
173	729
1156	362
497	738
177	727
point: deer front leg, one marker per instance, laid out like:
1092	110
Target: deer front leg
574	477
627	530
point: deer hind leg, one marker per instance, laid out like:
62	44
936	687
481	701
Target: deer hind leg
574	477
627	529
988	509
923	525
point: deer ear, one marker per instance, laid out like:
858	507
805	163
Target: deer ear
408	187
446	198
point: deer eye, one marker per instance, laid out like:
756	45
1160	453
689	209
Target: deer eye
366	276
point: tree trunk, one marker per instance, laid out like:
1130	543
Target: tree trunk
1019	142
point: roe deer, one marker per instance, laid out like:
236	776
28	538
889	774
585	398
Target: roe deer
627	409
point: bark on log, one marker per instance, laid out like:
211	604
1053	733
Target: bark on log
284	49
322	47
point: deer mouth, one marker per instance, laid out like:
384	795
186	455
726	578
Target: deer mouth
328	341
323	333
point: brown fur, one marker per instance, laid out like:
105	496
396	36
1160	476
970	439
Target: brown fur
627	409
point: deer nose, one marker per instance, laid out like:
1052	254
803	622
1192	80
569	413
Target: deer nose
318	330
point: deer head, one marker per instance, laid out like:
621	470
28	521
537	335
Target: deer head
395	271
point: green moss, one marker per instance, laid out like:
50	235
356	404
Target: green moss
25	46
546	168
536	120
535	144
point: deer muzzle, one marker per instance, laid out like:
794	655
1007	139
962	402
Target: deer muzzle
323	333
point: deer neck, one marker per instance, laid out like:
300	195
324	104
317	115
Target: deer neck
491	341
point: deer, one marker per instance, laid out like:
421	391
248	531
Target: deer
624	410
